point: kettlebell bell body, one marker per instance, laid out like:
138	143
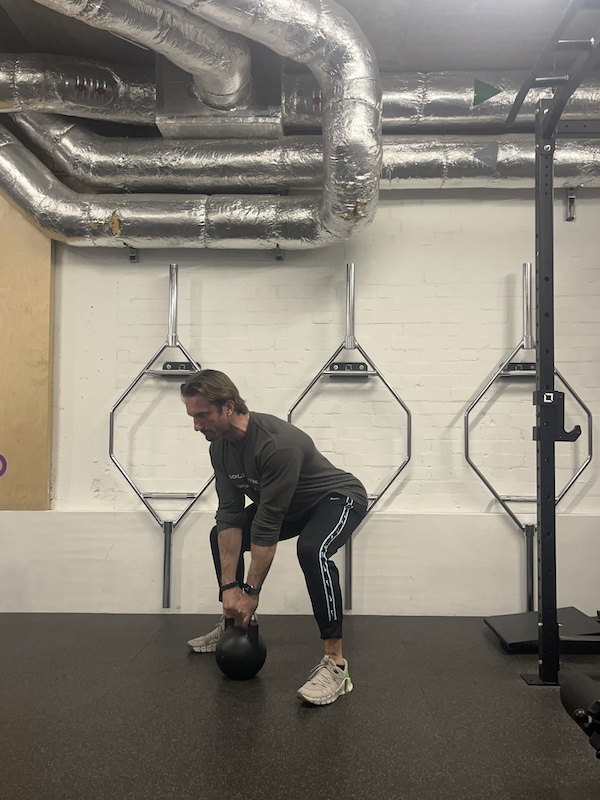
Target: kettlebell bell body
241	652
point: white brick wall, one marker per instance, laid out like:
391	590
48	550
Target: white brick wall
438	307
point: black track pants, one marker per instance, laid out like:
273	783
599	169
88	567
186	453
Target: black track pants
321	532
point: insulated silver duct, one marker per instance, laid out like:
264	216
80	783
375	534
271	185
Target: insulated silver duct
328	41
440	162
477	162
440	101
168	220
452	100
220	62
77	87
184	165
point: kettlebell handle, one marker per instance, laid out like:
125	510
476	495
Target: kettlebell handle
251	631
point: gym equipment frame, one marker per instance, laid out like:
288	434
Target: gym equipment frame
358	370
580	697
519	371
548	402
170	370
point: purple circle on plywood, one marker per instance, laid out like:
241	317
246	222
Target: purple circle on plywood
2	466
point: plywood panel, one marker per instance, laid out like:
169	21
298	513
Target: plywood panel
26	367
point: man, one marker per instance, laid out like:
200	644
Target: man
295	491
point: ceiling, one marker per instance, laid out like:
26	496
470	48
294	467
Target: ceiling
407	35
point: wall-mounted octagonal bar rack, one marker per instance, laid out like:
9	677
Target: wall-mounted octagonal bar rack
169	370
362	370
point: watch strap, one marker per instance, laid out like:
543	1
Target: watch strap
251	590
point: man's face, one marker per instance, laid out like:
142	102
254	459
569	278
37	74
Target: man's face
208	418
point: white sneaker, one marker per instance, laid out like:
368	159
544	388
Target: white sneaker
208	642
326	683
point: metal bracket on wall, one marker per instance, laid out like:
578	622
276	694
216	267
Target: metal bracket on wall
349	371
570	198
169	370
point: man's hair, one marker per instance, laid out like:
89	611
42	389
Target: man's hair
216	387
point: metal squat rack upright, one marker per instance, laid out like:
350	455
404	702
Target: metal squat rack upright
356	370
519	371
170	370
548	402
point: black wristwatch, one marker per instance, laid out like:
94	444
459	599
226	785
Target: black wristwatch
232	585
252	590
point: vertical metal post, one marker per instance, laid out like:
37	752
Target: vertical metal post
530	565
172	337
350	343
528	344
168	531
527	307
548	633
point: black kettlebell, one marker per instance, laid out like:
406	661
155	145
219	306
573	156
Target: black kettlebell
241	652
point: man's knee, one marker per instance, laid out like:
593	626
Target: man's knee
308	552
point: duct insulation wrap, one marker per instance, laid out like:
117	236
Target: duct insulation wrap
439	101
180	115
77	87
478	162
219	62
93	90
151	221
409	162
328	41
185	165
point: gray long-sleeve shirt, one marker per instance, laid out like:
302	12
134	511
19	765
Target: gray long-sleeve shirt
279	468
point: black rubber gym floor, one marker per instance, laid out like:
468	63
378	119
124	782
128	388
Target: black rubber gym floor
94	707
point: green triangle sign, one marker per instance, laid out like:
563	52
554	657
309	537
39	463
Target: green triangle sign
483	91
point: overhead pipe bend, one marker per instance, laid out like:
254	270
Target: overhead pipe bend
325	38
219	62
110	163
152	221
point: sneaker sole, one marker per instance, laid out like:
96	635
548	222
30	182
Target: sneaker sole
205	649
329	698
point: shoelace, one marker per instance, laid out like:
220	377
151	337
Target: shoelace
322	673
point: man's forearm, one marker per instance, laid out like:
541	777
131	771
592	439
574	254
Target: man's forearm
230	545
260	563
